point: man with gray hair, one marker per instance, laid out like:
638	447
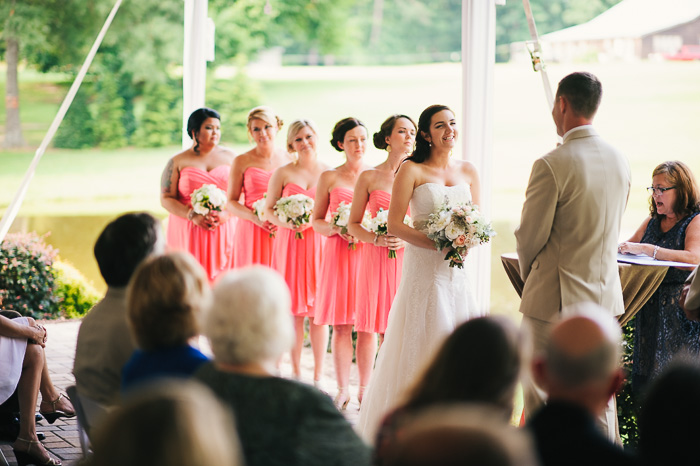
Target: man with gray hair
579	369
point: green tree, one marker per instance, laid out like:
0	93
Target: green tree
109	129
77	129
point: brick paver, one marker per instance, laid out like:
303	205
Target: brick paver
62	437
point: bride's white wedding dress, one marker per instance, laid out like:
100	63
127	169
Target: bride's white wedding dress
431	301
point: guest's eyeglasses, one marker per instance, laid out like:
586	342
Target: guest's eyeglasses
658	191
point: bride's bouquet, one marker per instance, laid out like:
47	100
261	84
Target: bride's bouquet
259	210
459	227
295	210
340	219
208	198
379	226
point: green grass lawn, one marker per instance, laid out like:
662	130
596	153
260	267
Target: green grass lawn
650	111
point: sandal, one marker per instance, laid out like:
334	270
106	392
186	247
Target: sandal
25	457
54	414
342	399
360	395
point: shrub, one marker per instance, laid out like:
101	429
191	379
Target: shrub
77	128
109	115
27	278
160	123
75	295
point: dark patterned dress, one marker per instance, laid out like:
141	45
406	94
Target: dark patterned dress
661	329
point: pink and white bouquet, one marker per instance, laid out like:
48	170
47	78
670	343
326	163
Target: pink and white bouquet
259	210
340	219
208	198
458	227
379	226
295	210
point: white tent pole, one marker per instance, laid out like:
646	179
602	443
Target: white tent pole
16	203
478	60
194	63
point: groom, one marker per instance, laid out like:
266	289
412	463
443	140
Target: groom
568	234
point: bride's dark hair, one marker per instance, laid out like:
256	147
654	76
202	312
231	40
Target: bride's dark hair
422	151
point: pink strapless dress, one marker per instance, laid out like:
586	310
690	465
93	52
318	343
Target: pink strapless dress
336	289
253	244
213	249
298	259
379	277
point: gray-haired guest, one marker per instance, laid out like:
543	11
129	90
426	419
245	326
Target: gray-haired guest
280	422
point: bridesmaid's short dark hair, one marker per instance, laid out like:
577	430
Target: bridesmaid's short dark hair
342	127
379	138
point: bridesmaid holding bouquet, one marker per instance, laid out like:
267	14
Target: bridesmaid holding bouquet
297	249
336	294
208	237
250	174
380	268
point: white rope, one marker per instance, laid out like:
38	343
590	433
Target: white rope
535	49
16	203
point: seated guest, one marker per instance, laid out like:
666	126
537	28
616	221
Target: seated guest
165	298
479	362
459	435
167	423
280	422
668	422
580	371
104	343
24	369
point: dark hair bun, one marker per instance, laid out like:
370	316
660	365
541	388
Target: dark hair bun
342	127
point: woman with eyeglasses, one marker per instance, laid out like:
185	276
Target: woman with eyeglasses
671	233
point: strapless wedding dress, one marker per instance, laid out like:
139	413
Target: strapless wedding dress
431	301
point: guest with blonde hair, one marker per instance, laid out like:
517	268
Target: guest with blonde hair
279	421
165	298
168	422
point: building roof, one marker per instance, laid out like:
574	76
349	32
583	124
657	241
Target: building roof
631	19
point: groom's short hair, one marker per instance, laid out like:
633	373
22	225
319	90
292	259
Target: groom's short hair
583	91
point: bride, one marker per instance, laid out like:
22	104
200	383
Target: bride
432	298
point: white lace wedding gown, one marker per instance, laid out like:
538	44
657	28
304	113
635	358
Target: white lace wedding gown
431	301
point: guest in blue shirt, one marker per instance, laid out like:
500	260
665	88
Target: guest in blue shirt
164	299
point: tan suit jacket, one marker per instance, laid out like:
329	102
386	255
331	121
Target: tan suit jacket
692	300
568	235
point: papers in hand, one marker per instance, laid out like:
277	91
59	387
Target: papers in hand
642	259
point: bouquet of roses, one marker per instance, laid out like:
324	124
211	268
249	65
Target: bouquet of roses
259	210
379	226
340	219
295	210
459	227
207	198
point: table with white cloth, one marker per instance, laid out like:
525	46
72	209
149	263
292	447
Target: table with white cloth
639	277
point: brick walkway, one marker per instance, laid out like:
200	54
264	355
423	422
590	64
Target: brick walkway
62	437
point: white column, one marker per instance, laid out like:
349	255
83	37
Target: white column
478	59
194	63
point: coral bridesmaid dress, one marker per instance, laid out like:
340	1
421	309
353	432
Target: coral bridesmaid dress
253	244
298	259
213	249
379	277
336	289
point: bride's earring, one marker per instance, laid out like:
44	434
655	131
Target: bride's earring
388	148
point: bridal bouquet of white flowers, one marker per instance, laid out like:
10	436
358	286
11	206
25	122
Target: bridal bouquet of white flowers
259	210
459	227
295	210
207	198
379	226
340	219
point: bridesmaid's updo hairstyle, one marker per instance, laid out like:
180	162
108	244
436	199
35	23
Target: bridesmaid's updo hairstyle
379	138
265	114
194	123
342	127
295	127
422	151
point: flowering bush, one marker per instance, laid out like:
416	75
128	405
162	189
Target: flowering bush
27	278
75	295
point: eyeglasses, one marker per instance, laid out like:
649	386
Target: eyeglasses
658	191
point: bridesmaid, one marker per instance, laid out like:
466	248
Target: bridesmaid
298	259
250	174
336	294
209	238
379	275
